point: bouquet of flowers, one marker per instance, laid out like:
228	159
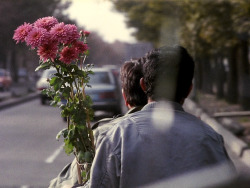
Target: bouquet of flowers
63	47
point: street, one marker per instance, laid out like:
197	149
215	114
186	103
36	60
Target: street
30	155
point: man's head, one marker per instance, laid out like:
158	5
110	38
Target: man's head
168	74
131	73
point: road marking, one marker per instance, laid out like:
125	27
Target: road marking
54	155
24	186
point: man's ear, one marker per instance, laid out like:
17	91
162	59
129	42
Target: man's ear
124	98
142	84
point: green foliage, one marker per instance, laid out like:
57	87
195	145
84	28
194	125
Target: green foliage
68	146
204	27
43	66
155	20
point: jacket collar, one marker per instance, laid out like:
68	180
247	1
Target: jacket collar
134	109
164	105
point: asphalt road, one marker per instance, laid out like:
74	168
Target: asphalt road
30	155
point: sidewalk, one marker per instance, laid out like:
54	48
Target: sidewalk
19	93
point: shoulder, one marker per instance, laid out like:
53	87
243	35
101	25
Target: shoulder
104	121
204	128
115	133
105	131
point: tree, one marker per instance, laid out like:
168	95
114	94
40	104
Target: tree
14	13
212	31
208	24
241	25
155	21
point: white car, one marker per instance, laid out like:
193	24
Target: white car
104	91
42	83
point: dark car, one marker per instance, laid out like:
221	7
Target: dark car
5	80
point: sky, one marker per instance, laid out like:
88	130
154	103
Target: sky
100	16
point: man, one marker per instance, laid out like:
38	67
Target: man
134	98
161	141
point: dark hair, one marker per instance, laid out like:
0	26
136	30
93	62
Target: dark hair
131	73
168	73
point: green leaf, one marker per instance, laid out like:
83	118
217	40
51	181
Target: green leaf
88	157
83	174
57	98
45	65
81	73
56	83
80	156
68	147
44	92
66	92
62	132
62	106
86	52
53	103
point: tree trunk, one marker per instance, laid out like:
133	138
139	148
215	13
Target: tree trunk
219	78
232	77
13	64
206	76
198	74
197	82
243	72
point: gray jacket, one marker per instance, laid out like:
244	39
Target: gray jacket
69	176
161	141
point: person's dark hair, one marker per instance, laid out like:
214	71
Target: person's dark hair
131	73
168	73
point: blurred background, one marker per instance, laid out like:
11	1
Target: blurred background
216	33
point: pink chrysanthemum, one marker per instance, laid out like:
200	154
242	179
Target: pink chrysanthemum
21	32
37	37
80	47
64	33
72	33
58	32
47	51
86	33
46	22
68	55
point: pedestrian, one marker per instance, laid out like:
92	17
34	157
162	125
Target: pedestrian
161	141
134	99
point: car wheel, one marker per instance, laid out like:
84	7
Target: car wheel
43	101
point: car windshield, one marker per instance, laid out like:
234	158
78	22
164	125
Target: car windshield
100	78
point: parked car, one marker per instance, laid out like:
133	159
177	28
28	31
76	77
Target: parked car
43	83
5	80
104	91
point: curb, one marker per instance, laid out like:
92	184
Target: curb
232	143
15	101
